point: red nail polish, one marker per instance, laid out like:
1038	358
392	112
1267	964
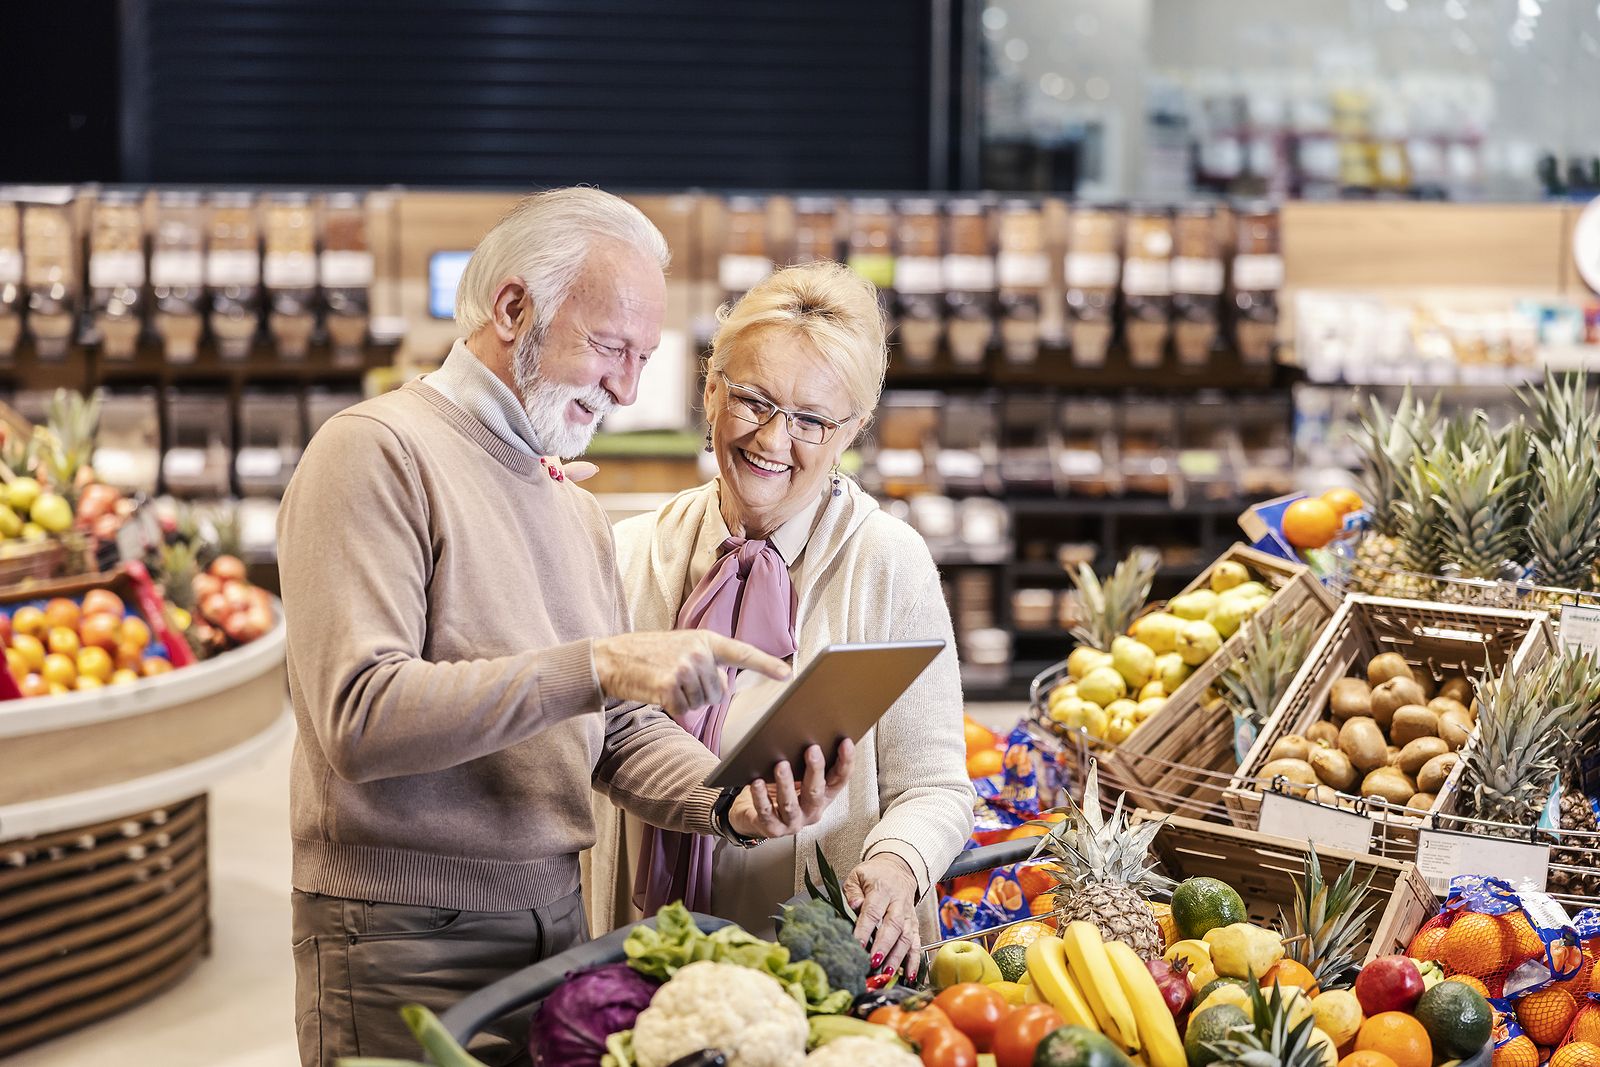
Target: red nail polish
876	960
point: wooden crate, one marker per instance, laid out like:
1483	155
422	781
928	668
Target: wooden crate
1264	871
97	918
1440	638
1181	759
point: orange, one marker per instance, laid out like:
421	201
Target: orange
95	662
971	894
1398	1036
1343	500
1425	946
154	665
135	632
59	669
1577	1054
1023	933
985	763
1288	972
1545	1015
1472	984
1518	1052
1035	879
1045	905
1586	1027
978	736
64	640
62	612
1026	830
1580	983
1525	943
29	620
1366	1059
32	650
34	686
1310	523
1479	945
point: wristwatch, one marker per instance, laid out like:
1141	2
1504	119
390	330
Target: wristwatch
723	823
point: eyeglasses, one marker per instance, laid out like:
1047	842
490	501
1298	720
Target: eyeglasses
747	405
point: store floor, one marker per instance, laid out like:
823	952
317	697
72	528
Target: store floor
235	1010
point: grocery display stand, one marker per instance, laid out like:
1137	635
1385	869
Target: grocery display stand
104	886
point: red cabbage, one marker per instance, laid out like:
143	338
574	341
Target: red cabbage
571	1026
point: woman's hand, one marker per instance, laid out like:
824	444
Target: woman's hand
781	809
883	891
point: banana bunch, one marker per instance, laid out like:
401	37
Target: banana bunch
1105	988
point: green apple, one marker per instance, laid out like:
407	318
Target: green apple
1158	630
1198	642
963	961
1102	686
1193	606
1085	659
1133	660
1228	574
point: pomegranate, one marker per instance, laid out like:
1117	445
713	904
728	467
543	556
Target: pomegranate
1173	981
1389	983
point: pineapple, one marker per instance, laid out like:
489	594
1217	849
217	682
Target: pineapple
1326	927
1108	608
1103	871
1564	524
1418	521
1388	443
1509	769
1480	499
72	424
1253	684
1275	1039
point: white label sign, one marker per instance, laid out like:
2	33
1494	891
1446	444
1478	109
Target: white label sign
1024	270
1301	820
1441	855
233	267
900	463
738	274
184	462
10	265
346	270
259	463
968	274
1257	272
109	270
1190	275
1092	270
1147	277
289	270
177	268
1580	626
918	275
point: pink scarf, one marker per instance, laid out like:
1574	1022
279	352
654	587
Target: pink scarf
677	866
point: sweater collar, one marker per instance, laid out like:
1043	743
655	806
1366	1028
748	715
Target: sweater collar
467	383
473	427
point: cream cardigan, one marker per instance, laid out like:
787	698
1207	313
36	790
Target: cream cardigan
863	576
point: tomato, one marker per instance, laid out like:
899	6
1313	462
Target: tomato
908	1023
1019	1034
945	1046
975	1010
920	1025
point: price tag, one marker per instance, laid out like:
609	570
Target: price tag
1081	463
346	270
176	269
900	463
259	463
918	275
1443	854
1190	275
110	270
968	274
1024	270
738	274
951	463
10	265
1580	626
184	462
289	270
1147	277
1092	270
232	267
1301	820
875	267
1256	272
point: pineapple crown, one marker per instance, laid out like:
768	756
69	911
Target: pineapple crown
1272	654
1273	1039
1109	607
1523	734
1325	928
72	422
1388	443
1092	848
1480	493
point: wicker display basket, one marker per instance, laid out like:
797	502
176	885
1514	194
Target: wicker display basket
97	918
1439	638
1181	758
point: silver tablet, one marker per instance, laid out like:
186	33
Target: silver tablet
841	693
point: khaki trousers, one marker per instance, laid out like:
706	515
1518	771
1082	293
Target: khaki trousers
358	962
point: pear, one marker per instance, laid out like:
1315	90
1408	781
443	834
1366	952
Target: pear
1084	659
1133	660
1249	590
1102	686
1158	630
1095	720
21	494
1198	642
1148	707
1171	671
1122	709
1193	606
1228	574
1154	689
1067	712
1120	728
1229	615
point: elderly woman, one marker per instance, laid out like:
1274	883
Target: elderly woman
784	552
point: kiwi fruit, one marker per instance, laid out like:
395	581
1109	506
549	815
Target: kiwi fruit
1442	704
1333	767
1322	733
1290	746
1350	697
1392	695
1418	752
1297	771
1433	774
1362	740
1389	665
1457	688
1411	722
1422	803
1325	794
1390	783
1456	729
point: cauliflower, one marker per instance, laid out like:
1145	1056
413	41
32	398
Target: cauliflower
723	1006
814	931
861	1052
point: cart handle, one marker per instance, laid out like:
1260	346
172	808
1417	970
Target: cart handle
988	857
529	986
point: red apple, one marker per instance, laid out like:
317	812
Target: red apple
1388	983
5	629
228	568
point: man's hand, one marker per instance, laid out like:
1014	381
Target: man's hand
677	669
779	810
883	891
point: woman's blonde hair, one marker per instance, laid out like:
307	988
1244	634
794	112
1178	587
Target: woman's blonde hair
830	306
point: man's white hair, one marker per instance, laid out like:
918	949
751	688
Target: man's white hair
545	240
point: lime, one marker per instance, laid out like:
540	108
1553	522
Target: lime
1208	1027
1211	987
1012	961
1457	1019
1202	904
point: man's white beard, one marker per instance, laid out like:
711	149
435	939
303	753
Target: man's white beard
546	403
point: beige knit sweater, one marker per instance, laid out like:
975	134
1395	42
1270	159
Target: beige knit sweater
863	576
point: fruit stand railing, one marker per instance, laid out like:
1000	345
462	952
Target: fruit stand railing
1351	575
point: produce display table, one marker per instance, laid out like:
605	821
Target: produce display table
104	887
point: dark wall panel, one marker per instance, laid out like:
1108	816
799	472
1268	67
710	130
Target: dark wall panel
624	93
58	91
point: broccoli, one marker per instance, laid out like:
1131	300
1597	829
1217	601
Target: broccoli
814	931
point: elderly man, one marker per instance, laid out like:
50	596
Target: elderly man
458	649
